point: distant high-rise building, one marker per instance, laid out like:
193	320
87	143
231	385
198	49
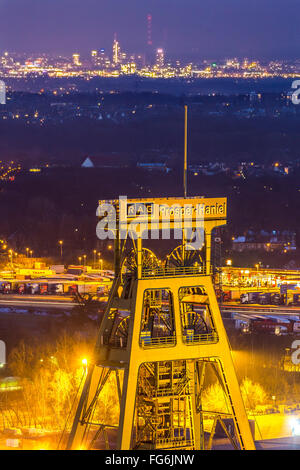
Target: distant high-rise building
76	59
2	92
160	58
99	59
104	61
149	47
139	59
6	60
116	51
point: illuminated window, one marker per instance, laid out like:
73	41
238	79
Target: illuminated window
157	327
116	330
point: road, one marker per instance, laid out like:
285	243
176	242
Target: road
57	301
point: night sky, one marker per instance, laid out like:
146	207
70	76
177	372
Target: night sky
204	28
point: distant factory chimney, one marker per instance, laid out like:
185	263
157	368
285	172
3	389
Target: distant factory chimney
149	29
149	49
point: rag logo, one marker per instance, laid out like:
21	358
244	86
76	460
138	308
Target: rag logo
139	220
296	93
2	353
2	92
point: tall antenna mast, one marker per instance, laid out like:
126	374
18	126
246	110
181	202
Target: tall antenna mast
185	150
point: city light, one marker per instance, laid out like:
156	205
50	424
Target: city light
153	313
84	363
120	63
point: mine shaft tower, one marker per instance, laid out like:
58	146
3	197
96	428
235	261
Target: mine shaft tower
161	336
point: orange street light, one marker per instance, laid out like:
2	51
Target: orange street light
84	363
61	247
